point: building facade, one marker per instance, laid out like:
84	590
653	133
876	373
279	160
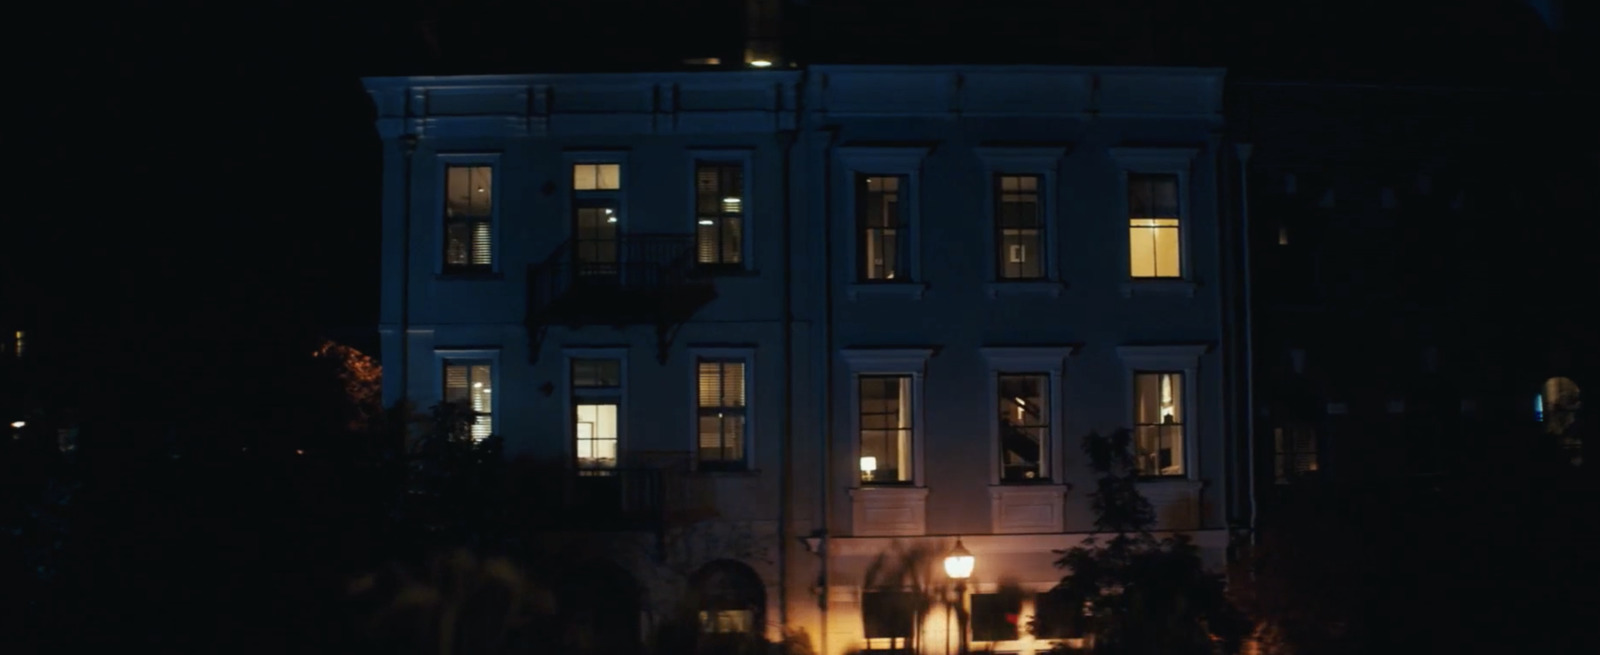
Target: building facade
805	318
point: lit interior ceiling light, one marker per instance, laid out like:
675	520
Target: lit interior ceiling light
707	221
19	424
760	63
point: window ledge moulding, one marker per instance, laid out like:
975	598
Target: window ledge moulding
869	290
889	511
1027	509
1178	288
573	105
1048	288
1068	92
1176	501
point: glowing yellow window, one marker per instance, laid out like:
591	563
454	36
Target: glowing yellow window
596	177
1154	237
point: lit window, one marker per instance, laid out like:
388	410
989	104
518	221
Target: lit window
1294	452
596	177
20	344
1024	426
1153	226
1019	225
1283	235
885	428
1158	423
719	213
470	385
885	235
722	427
468	217
596	402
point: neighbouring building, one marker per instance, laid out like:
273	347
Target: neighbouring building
771	324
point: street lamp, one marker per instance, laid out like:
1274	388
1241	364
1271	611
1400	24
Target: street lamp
958	565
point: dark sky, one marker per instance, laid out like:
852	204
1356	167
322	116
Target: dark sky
192	176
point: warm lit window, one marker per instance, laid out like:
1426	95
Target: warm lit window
996	617
722	428
884	232
1019	227
1158	423
470	385
1153	226
719	213
1024	426
1294	452
469	217
596	177
885	424
21	343
596	402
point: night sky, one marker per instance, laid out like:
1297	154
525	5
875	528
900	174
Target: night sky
195	185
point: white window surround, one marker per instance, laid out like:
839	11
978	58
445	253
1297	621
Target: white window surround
570	158
1049	360
886	160
746	354
1175	161
490	355
1175	358
1044	162
569	417
744	157
887	510
435	207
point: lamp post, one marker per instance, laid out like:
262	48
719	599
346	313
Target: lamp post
958	565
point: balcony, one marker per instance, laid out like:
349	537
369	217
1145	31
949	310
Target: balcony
627	279
616	499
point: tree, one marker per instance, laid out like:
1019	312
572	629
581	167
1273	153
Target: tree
1139	594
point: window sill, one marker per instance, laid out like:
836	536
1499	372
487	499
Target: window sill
1156	287
889	511
1176	501
714	270
723	472
912	290
1025	288
469	276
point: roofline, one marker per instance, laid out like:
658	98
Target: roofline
402	81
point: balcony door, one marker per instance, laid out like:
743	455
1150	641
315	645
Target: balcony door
597	241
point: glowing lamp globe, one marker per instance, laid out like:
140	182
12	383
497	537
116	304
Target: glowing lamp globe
958	564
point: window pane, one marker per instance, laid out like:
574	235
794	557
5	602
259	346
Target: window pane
596	438
457	244
1153	248
596	373
885	428
882	229
1158	418
719	207
596	177
995	617
468	191
1024	426
1021	254
1152	195
887	614
721	383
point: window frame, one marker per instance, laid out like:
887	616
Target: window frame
1049	361
857	161
747	356
443	162
1175	358
573	199
570	396
1158	161
445	356
1045	163
889	361
744	157
1285	460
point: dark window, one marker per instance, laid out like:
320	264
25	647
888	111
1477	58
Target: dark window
1055	618
722	427
1019	227
887	614
1294	452
719	214
995	617
883	226
468	218
1024	426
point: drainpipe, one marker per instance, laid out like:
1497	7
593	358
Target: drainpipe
1244	150
408	144
786	475
826	182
